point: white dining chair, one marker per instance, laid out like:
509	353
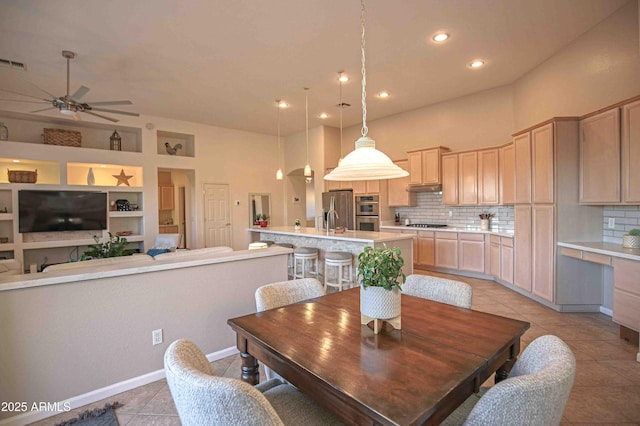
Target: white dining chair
202	398
438	289
284	293
535	393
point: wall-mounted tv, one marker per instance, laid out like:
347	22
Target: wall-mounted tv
49	211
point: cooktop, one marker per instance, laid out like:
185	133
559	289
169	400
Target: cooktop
427	225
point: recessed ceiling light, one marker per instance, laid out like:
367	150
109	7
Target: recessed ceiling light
343	78
323	115
440	37
477	63
16	161
282	104
383	95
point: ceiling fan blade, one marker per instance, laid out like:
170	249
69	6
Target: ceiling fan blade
76	117
44	109
111	103
101	116
31	102
82	90
116	111
28	96
39	88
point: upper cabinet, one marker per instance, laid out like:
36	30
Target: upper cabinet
600	158
471	177
165	197
542	164
630	149
508	174
424	166
522	156
358	187
398	194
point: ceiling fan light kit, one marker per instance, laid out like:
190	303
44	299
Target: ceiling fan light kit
365	162
70	105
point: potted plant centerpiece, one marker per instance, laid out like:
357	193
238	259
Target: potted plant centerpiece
296	224
380	276
632	239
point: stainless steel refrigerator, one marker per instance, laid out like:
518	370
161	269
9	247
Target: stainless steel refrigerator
343	205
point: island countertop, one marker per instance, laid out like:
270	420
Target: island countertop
354	236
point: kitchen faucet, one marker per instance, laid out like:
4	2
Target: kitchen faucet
332	213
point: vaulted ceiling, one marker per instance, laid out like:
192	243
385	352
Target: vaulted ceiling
224	63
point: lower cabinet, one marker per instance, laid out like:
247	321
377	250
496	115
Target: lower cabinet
543	247
522	247
506	259
446	250
471	252
426	248
494	255
626	293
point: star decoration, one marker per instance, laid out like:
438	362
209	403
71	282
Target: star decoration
122	178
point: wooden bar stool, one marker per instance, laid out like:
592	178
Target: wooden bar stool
343	261
302	255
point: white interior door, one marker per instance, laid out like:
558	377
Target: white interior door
217	220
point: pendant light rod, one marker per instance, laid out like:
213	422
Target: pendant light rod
279	175
341	105
365	130
307	167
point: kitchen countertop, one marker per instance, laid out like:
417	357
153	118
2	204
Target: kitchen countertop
610	249
502	233
355	236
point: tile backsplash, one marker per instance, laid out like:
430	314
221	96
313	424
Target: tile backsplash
626	218
431	210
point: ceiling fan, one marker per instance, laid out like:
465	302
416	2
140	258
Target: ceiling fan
71	105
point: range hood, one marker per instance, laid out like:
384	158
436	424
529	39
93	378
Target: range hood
434	187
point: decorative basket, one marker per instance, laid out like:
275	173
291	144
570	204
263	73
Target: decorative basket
22	176
630	241
62	137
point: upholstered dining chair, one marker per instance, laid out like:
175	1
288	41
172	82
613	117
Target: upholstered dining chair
275	295
202	398
535	393
438	289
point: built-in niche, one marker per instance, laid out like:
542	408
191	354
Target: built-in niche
175	144
259	209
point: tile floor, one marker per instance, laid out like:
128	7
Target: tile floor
606	387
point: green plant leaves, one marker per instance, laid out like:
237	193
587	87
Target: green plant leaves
381	267
114	247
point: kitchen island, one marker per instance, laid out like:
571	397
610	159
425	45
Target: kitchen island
349	241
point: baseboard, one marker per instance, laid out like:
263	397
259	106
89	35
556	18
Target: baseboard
102	393
606	311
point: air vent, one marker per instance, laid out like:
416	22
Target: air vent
13	64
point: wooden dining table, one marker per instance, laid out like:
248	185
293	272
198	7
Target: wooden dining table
416	375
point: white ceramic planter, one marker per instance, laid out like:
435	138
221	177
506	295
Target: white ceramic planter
376	302
630	241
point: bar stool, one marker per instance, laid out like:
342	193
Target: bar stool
290	258
302	255
341	260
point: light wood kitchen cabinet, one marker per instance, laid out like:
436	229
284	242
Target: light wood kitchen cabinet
165	201
471	252
600	158
494	254
626	293
399	194
522	155
450	179
506	259
168	229
446	250
507	174
542	164
468	178
543	248
630	151
424	166
488	176
427	248
522	247
331	185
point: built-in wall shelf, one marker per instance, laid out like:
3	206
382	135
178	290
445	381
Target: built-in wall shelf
48	172
186	143
58	243
28	128
101	174
6	216
137	213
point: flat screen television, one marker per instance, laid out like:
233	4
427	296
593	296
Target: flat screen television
49	211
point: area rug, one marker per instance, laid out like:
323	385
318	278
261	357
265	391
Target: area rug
97	417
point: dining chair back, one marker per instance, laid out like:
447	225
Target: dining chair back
202	398
284	293
438	289
535	393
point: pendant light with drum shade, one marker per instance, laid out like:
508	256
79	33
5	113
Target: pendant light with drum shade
307	167
279	174
365	162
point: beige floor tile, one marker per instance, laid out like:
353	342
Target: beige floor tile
135	399
591	404
593	373
161	403
124	419
147	420
629	368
